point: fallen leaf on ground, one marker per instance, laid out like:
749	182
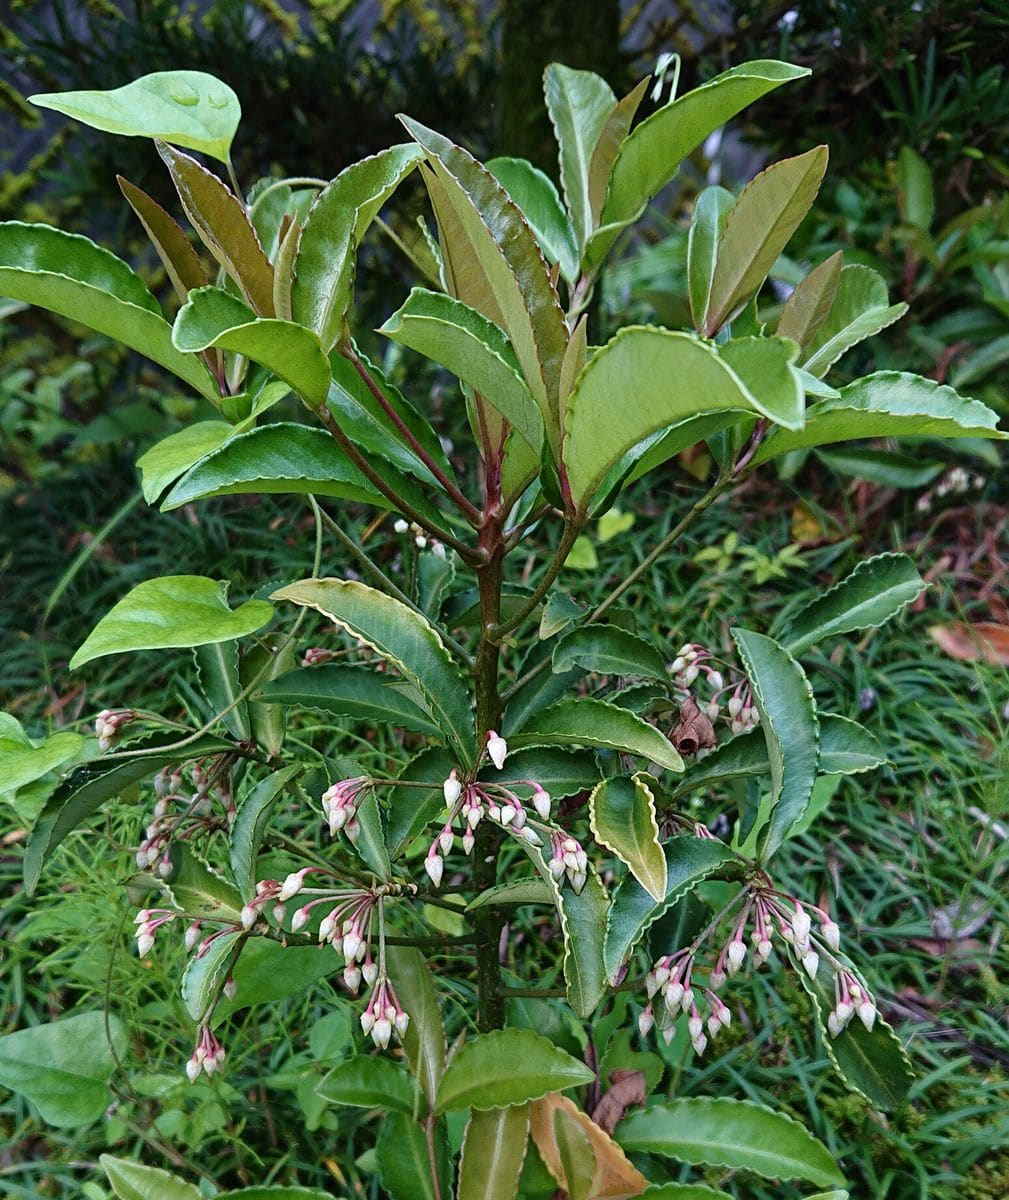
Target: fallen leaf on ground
985	641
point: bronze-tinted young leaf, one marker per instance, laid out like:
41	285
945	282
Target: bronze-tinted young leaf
220	219
174	249
613	1177
806	308
758	228
614	131
860	309
622	817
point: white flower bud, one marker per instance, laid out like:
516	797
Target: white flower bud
193	1068
473	815
381	1033
367	1021
353	830
493	812
651	984
452	788
327	928
713	711
370	972
401	1023
661	976
686	650
716	980
695	1026
249	915
497	748
352	978
811	961
800	925
292	885
400	526
834	1025
145	942
507	814
279	913
831	934
735	707
691	673
352	946
687	1000
678	664
446	839
578	882
164	868
300	918
735	956
556	867
230	988
434	864
528	835
192	935
541	802
420	541
468	841
844	1012
867	1013
645	1021
669	1033
672	995
715	681
437	549
210	1064
713	1025
700	1044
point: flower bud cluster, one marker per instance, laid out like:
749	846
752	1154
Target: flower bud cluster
812	937
340	803
207	1056
316	656
420	537
148	921
568	859
183	807
955	482
384	1015
693	661
109	722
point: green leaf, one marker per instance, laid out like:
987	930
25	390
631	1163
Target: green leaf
404	1165
559	772
217	670
133	1181
614	132
876	591
586	722
403	637
411	808
493	1150
886	404
873	1064
607	650
261	663
424	1040
204	975
175	610
223	224
249	826
559	613
737	1134
622	817
689	860
533	890
213	317
537	197
538	692
187	108
279	458
87	789
63	1067
200	890
175	454
69	275
505	264
324	268
788	720
765	366
180	260
758	228
711	210
580	103
366	1082
641	361
807	307
357	692
20	765
650	156
275	1193
847	748
370	842
474	349
860	309
915	193
683	1191
888	468
268	971
506	1067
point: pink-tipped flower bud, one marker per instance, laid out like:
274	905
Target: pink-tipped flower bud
735	955
713	1024
735	707
715	681
193	1068
541	802
192	935
468	841
473	815
370	972
434	864
249	915
834	1024
352	978
230	988
401	1023
367	1021
301	918
381	1033
145	943
844	1012
695	1026
867	1013
528	834
446	839
452	788
831	934
646	1020
801	926
716	980
556	866
279	913
811	961
352	946
700	1044
578	881
497	748
292	884
672	995
507	814
353	830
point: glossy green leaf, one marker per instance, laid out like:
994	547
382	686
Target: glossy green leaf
683	1191
493	1150
271	657
200	890
784	699
268	971
737	1134
424	1040
175	454
642	361
249	826
87	789
607	650
187	108
21	764
559	772
651	155
586	722
474	349
365	1082
580	104
536	196
409	809
213	317
576	1155
370	842
532	890
404	1164
175	610
915	193
279	458
223	224
63	1067
876	591
766	367
177	255
537	692
133	1181
711	210
847	748
403	637
886	404
69	275
502	263
860	310
874	1064
622	817
689	860
205	975
807	307
758	228
356	692
277	1192
324	268
888	468
506	1067
608	145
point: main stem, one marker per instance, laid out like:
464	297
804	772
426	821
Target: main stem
489	921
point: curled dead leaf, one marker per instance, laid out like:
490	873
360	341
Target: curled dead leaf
984	641
693	730
613	1178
